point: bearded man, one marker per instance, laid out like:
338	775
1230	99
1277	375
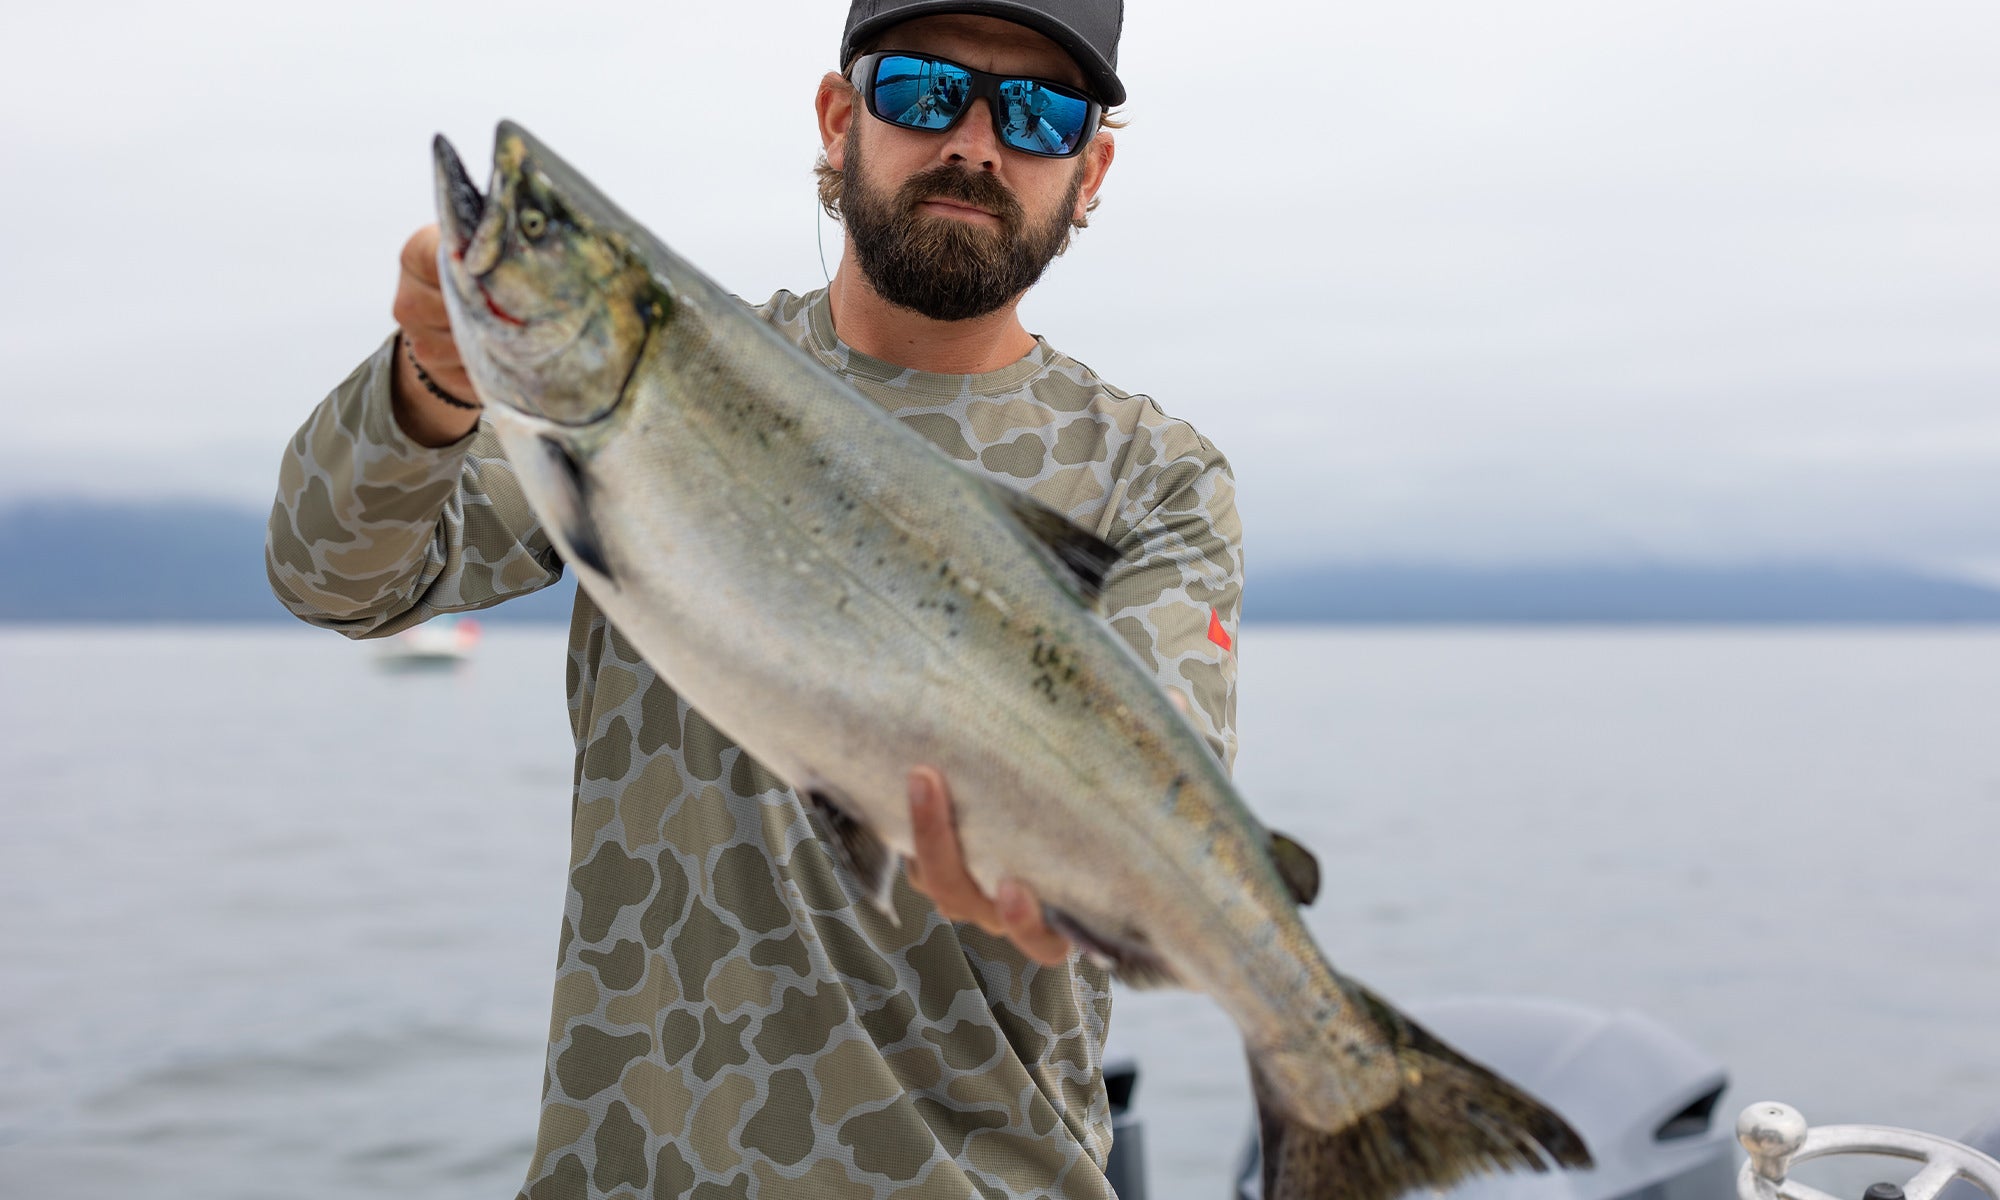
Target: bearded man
732	1017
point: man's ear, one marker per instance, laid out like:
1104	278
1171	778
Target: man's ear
1096	163
834	105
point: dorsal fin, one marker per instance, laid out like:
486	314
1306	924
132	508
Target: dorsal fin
1083	557
1296	866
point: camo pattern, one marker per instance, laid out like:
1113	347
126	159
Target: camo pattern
731	1020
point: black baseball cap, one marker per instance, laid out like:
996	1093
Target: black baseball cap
1087	29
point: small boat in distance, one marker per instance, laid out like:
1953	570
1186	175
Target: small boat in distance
440	645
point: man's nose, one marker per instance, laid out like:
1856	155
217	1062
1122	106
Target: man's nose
972	140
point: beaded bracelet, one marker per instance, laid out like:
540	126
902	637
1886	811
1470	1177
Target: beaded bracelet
430	385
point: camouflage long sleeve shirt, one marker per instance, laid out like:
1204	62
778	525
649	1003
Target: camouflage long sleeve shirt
730	1018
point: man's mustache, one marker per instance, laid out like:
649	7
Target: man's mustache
945	182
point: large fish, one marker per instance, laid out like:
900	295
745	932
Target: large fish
846	602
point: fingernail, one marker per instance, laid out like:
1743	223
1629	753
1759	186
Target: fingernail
920	792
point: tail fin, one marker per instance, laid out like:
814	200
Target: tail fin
1453	1119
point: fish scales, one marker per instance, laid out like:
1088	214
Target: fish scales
836	534
846	602
892	575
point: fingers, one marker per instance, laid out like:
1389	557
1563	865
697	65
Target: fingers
420	312
420	255
419	305
1022	914
938	871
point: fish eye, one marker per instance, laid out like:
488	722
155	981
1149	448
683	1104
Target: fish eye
533	223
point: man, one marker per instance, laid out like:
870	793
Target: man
731	1019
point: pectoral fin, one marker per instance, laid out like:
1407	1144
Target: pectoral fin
1082	558
564	489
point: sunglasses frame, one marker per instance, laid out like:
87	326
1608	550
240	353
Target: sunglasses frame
984	85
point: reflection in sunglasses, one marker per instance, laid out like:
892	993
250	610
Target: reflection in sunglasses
932	94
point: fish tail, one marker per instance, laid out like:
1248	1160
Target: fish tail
1449	1119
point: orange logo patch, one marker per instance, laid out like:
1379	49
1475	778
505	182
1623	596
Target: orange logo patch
1216	633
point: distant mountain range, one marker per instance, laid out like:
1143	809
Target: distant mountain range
88	560
71	560
1756	594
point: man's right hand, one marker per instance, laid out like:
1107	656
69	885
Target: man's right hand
426	337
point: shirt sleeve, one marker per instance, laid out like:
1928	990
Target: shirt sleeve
372	533
1176	594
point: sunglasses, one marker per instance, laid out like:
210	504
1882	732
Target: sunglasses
1034	116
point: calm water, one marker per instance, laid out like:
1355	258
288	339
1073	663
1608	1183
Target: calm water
280	924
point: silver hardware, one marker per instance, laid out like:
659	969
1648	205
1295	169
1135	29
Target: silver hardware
1778	1138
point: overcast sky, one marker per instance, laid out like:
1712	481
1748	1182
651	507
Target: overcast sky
1709	280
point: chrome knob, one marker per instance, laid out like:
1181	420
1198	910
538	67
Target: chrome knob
1772	1133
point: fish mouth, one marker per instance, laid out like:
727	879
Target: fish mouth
461	208
460	203
551	309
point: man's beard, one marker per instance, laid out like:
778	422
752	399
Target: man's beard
941	267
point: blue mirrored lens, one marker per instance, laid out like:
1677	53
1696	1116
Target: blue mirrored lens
931	94
1041	119
919	93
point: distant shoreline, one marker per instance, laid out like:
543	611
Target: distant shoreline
98	563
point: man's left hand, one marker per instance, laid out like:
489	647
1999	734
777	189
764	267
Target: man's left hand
938	871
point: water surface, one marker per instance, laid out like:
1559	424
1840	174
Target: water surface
281	924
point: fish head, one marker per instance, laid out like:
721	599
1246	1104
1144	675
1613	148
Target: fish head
550	305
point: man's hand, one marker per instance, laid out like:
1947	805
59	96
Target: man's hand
426	324
938	871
